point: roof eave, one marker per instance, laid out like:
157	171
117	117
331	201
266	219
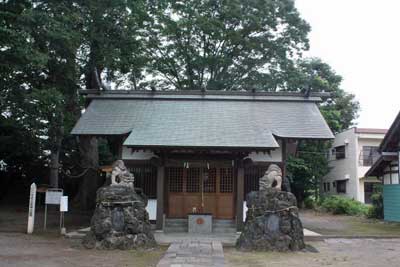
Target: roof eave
167	147
208	95
394	128
377	167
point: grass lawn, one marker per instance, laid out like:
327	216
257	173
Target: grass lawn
328	224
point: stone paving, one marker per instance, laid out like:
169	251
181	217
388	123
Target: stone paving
193	254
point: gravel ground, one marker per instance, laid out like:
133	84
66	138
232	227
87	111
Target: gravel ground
22	250
332	252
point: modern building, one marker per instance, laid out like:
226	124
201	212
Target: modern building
388	171
352	154
194	151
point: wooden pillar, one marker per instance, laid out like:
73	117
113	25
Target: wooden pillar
239	196
160	197
284	157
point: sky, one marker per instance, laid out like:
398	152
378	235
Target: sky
360	39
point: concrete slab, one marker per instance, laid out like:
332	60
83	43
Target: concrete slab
195	253
227	239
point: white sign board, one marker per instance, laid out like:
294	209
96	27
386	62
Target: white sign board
31	214
53	196
64	204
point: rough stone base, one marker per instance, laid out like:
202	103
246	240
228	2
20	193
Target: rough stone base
272	222
120	220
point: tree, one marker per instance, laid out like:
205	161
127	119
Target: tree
21	152
114	40
339	110
50	49
56	30
224	45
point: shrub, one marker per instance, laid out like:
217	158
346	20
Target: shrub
309	203
343	205
376	210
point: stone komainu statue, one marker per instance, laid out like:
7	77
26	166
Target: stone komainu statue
120	174
272	174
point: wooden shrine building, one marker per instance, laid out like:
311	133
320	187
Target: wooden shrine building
193	151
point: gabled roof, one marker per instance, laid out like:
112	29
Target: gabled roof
217	120
388	148
392	138
379	166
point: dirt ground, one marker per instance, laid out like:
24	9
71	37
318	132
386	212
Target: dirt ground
22	250
48	248
14	218
340	225
332	252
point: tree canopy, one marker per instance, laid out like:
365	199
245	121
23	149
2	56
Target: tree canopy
49	50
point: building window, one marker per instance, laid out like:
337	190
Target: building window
341	186
368	155
175	179
226	182
328	188
340	152
193	180
145	178
252	176
209	180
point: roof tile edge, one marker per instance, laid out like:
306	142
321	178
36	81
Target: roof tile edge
208	95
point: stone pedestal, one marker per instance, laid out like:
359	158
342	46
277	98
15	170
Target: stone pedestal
120	220
272	222
200	223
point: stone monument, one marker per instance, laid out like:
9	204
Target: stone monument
120	220
272	221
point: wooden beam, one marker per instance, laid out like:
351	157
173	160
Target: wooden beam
160	197
284	157
239	195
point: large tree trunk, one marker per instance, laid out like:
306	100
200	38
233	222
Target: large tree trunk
55	151
54	167
90	181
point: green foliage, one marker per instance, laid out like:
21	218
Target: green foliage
343	205
310	163
310	203
340	109
225	45
376	210
307	168
48	50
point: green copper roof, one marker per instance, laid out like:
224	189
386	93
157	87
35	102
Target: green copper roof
203	122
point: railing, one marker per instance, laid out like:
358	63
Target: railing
367	157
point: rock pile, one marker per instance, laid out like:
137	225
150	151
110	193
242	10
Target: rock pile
120	220
272	222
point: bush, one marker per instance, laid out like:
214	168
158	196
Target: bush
309	203
376	210
343	205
